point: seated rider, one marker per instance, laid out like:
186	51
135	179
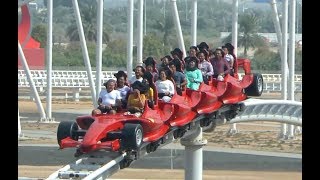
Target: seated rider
150	64
193	74
109	99
137	98
164	86
220	66
148	80
179	79
122	87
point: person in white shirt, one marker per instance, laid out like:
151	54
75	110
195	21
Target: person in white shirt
122	87
228	57
109	98
139	71
164	86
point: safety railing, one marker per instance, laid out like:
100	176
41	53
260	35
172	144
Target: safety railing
65	79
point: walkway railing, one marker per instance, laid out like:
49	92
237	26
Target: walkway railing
79	79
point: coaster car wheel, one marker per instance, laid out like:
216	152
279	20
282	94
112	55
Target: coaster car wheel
132	136
256	87
67	129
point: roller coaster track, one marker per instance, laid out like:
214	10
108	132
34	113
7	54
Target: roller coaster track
283	111
102	164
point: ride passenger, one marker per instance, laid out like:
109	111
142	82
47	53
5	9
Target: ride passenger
193	74
193	50
122	87
109	99
165	63
205	66
148	80
165	87
137	98
179	78
220	65
203	46
229	58
150	64
234	66
177	56
138	71
211	54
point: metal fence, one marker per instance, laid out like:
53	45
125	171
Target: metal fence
78	79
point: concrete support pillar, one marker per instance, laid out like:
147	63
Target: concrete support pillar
233	129
193	154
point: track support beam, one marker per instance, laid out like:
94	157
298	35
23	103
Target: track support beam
193	143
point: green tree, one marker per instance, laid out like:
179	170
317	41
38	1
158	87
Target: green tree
152	46
72	55
266	60
248	33
89	23
114	54
165	26
39	33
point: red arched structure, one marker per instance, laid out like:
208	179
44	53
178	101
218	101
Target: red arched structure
34	55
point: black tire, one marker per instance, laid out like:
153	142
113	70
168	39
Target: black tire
256	87
67	129
132	136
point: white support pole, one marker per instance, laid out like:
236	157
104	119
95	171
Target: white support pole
292	40
49	61
284	70
194	18
292	34
140	33
85	52
193	154
145	18
31	82
284	65
130	38
178	27
233	129
99	46
276	23
233	126
235	26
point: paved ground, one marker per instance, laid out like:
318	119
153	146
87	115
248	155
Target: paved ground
169	159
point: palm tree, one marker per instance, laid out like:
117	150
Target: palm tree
248	33
89	23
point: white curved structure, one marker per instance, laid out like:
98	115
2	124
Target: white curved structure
283	111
